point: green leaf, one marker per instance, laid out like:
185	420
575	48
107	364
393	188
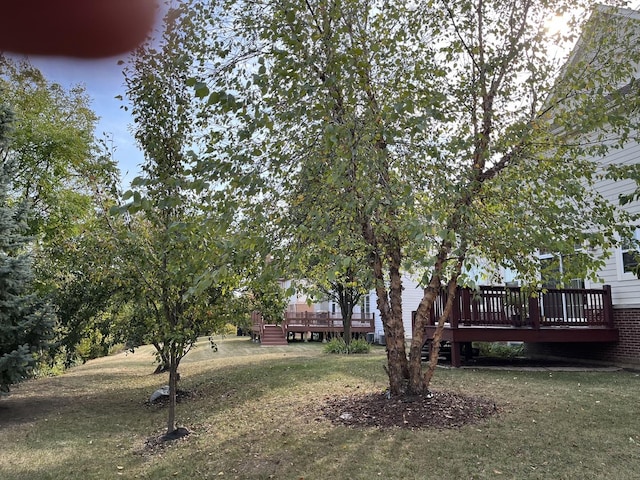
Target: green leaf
201	90
290	16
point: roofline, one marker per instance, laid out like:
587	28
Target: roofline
618	11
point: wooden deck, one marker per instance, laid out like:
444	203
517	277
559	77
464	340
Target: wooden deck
500	314
319	322
307	323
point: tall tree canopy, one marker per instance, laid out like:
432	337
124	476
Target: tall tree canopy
448	132
26	321
58	170
330	263
53	146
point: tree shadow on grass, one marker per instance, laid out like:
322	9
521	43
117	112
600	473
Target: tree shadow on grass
41	399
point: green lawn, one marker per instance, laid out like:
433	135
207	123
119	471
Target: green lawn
254	415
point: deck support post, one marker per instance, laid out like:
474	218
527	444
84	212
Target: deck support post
534	311
456	361
607	306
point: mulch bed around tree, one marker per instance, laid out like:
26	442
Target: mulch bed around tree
157	443
439	410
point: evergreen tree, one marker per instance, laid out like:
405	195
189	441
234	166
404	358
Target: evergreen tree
26	322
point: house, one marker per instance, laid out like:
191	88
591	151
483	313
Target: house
618	271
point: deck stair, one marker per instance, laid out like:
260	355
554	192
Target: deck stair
273	336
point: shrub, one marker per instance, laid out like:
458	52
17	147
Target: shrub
338	345
335	345
500	350
50	367
226	330
229	329
359	346
92	346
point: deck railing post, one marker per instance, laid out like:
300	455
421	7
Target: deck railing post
455	310
607	306
534	310
466	305
475	307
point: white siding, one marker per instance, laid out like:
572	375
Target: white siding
298	301
377	317
412	293
625	286
411	297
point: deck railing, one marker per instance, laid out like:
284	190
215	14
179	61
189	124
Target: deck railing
314	321
512	306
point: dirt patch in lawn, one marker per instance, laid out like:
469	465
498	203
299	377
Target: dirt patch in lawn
438	410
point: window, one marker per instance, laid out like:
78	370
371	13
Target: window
555	269
630	253
560	305
550	270
366	305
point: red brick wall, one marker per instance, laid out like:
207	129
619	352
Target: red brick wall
628	323
625	351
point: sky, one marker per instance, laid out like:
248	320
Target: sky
103	81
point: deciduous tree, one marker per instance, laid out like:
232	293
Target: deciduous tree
58	169
450	131
180	236
330	266
54	147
